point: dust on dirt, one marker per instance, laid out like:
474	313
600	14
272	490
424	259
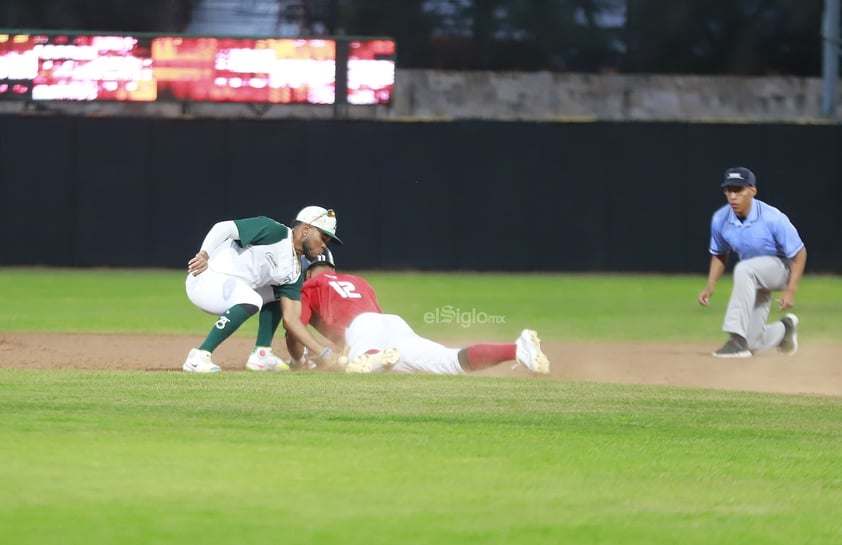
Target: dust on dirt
815	369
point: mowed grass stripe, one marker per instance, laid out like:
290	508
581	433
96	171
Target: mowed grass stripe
650	308
98	457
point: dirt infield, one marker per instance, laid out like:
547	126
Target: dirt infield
816	369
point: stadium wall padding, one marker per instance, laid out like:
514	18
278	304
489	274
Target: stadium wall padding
468	195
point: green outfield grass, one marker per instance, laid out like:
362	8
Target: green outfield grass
495	306
137	458
100	458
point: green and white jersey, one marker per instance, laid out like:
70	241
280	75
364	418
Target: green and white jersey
263	255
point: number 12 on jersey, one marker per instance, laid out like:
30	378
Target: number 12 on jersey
345	289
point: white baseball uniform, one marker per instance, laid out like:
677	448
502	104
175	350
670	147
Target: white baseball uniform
252	261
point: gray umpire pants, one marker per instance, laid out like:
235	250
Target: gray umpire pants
748	309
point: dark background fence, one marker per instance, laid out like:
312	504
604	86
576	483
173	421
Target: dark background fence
501	196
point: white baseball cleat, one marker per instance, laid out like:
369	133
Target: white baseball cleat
528	352
199	361
262	359
789	344
374	362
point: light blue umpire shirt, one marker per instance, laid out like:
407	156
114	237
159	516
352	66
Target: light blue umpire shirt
766	231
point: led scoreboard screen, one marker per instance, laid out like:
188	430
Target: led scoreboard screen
371	71
76	67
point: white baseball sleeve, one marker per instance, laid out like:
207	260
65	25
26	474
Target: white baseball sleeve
219	233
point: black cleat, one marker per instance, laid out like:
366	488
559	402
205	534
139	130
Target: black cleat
736	347
789	344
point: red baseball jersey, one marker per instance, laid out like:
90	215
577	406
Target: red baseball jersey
330	301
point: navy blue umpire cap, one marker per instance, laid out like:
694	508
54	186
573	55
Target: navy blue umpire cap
739	177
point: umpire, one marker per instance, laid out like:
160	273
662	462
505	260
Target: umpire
771	258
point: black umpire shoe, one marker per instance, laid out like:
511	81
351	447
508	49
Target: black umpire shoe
789	344
736	347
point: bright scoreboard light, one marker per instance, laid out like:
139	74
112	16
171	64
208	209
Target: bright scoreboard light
371	71
83	67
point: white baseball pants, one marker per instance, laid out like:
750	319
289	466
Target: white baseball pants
215	293
373	331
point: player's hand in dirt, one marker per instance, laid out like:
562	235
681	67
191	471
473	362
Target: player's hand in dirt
328	359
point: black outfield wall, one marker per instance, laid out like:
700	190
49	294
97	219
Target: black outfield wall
142	192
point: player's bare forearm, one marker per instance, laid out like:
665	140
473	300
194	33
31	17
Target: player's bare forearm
717	267
294	347
796	269
291	311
